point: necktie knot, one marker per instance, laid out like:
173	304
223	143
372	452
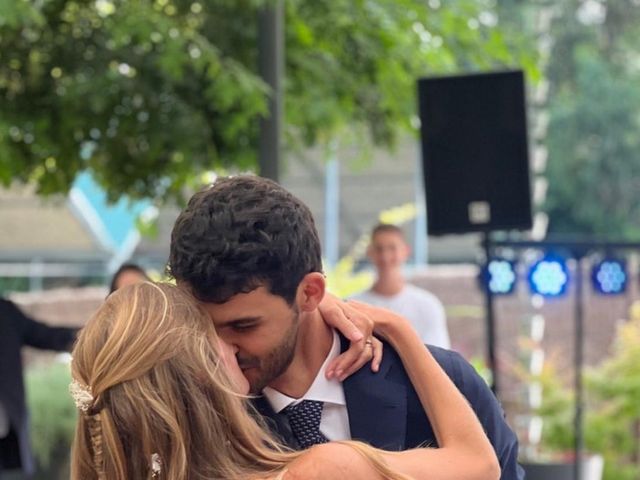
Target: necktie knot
304	418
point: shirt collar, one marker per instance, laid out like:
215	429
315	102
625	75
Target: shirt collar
323	390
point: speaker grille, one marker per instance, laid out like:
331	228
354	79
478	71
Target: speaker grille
475	153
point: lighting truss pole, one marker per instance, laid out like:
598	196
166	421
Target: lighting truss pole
578	443
578	249
490	319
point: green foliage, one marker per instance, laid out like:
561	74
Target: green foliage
354	64
612	424
557	411
593	103
615	386
593	146
13	284
480	366
53	416
150	94
131	90
343	282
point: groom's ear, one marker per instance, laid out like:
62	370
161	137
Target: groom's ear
310	291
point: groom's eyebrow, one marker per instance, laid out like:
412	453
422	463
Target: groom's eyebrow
234	322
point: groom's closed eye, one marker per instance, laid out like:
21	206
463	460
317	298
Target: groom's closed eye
243	325
244	328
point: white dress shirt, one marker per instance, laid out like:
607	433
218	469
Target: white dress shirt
334	423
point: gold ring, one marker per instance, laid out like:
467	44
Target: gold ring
369	342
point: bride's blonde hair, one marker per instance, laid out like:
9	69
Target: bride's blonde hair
159	403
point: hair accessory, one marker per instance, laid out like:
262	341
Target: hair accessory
156	465
81	395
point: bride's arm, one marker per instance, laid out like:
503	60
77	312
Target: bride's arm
357	327
465	451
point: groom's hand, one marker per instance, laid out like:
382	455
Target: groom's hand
357	327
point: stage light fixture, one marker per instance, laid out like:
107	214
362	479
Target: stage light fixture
609	277
500	276
549	276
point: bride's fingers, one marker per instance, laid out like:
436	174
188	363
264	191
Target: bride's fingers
342	362
341	322
352	323
372	347
377	355
359	319
350	362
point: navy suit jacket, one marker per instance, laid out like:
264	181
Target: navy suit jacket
385	411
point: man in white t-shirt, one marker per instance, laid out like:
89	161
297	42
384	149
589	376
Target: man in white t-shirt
388	251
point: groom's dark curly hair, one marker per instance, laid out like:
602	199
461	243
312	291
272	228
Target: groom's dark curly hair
241	233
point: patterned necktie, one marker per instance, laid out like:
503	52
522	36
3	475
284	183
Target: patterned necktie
304	418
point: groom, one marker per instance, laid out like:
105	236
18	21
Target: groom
249	251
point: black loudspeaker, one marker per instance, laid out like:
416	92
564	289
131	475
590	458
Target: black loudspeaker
475	153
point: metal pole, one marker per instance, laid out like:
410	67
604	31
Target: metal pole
491	327
332	209
421	241
271	67
578	446
36	272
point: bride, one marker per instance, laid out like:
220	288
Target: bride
162	397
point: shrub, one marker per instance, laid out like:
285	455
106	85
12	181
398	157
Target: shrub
612	413
53	418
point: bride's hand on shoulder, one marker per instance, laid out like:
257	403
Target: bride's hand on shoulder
357	327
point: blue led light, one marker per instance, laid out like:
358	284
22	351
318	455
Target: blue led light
500	277
549	277
609	277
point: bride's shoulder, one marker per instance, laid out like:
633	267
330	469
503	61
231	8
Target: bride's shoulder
330	460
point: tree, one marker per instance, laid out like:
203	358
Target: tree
593	166
147	94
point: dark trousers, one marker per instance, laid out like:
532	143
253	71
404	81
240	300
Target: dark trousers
10	458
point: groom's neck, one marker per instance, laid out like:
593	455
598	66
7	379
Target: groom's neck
314	344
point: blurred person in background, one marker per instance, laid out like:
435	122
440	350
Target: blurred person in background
18	330
388	251
127	274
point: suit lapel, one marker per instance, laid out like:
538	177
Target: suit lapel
377	406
